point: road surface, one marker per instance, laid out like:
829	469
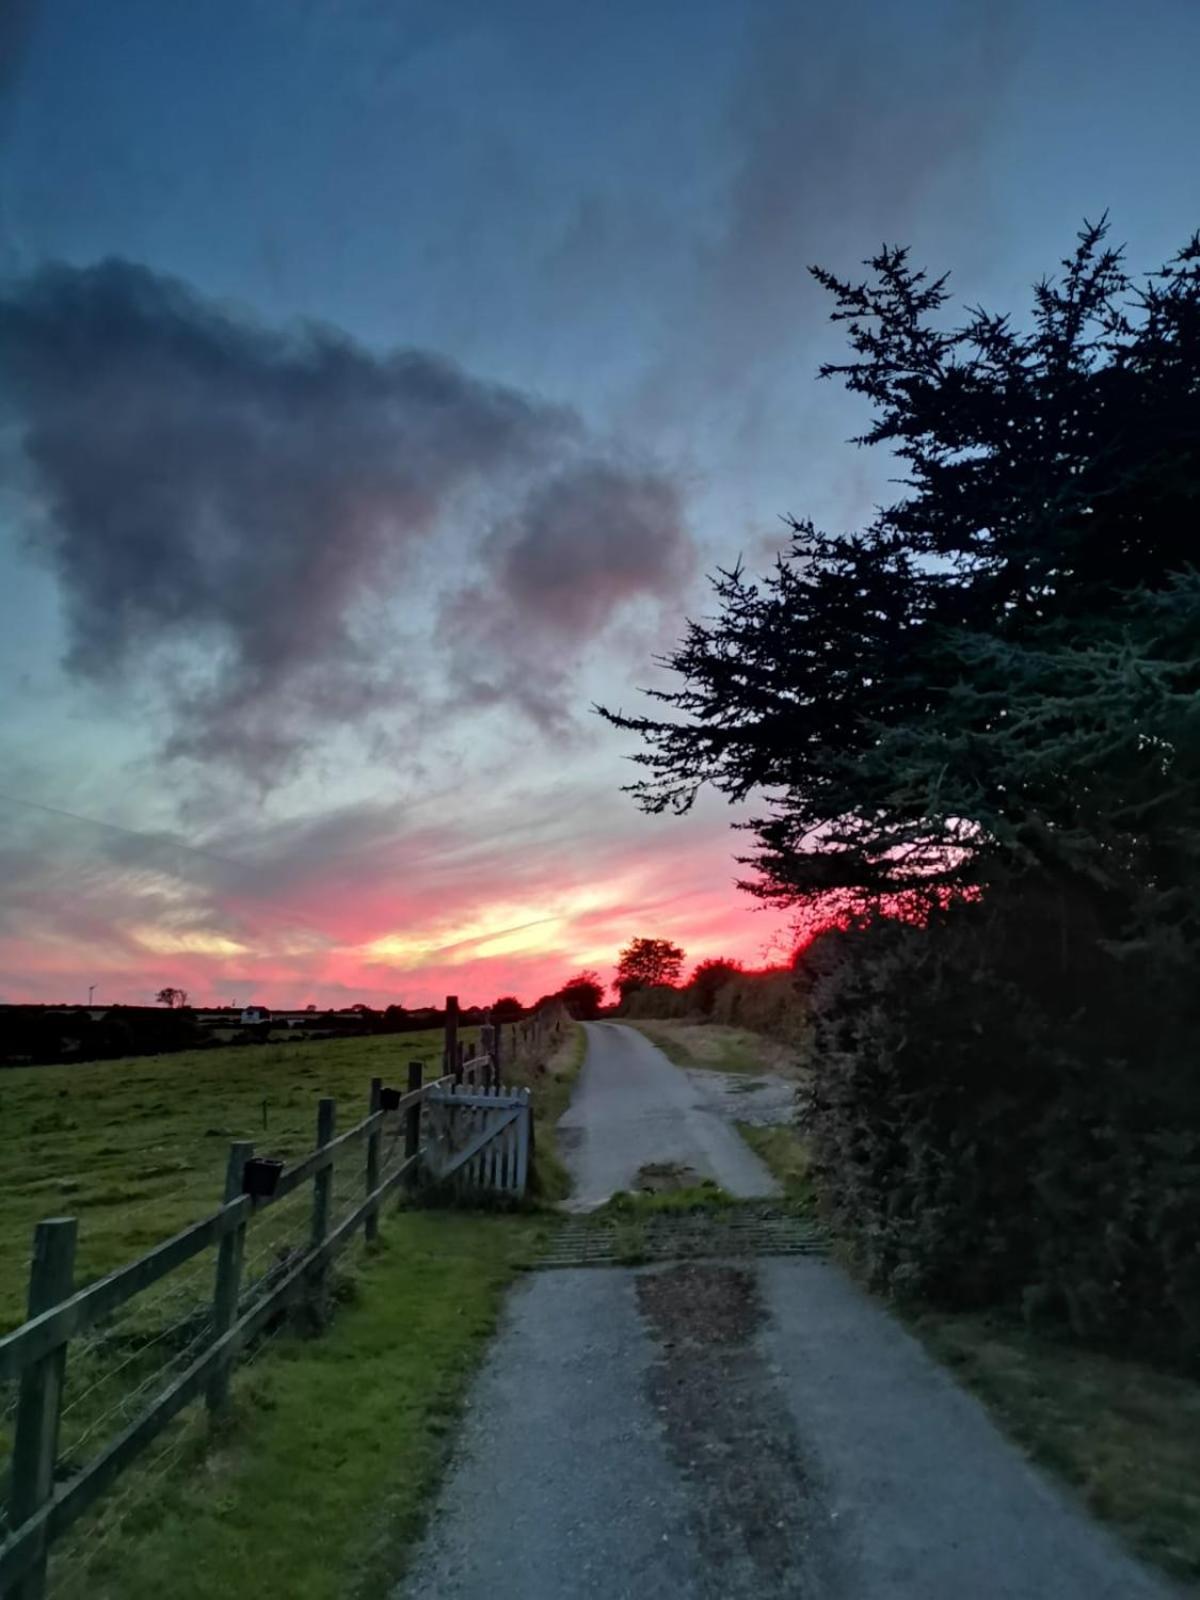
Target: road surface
632	1107
732	1430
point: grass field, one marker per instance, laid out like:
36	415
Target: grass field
136	1148
320	1473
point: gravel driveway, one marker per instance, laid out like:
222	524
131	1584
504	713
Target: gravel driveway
732	1430
632	1108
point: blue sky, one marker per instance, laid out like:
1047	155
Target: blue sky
600	215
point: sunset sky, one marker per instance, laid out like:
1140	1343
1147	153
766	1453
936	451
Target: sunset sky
378	381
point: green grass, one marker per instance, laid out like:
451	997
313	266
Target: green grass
319	1482
1125	1435
712	1045
628	1212
703	1196
552	1094
136	1148
318	1477
784	1150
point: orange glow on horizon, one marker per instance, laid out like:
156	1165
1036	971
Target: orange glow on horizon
508	946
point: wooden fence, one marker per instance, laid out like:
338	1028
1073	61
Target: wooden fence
461	1129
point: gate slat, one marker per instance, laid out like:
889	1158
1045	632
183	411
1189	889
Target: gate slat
493	1150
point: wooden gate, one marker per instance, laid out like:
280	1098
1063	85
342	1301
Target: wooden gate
479	1139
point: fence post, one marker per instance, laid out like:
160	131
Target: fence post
322	1193
450	1054
229	1271
497	1049
412	1117
458	1063
39	1406
374	1141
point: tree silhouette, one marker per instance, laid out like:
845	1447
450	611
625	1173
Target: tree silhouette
645	963
174	999
507	1009
710	976
582	995
900	692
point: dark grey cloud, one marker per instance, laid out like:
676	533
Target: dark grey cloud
584	544
17	19
223	503
844	128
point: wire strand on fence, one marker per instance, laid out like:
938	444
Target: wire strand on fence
76	1566
196	1301
115	1368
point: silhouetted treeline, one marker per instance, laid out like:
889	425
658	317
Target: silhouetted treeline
38	1035
47	1035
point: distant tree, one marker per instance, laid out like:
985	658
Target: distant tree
310	1006
173	999
582	995
647	963
507	1009
710	976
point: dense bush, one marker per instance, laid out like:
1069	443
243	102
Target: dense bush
658	1000
1006	1109
765	1002
770	1002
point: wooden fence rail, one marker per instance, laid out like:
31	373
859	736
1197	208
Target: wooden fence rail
481	1135
35	1354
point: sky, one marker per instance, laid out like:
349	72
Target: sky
379	381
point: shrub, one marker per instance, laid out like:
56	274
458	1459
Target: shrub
707	980
655	1000
765	1002
1004	1110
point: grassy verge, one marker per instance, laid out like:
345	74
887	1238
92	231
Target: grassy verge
712	1045
784	1151
317	1485
1124	1435
551	1097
